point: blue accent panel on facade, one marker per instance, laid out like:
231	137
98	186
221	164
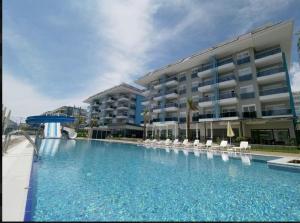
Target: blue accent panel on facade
138	110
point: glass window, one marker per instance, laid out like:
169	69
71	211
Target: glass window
246	89
249	108
243	55
245	71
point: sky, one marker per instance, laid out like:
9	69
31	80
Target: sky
60	52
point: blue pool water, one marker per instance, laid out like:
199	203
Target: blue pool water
91	180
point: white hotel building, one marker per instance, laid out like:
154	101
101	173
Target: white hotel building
244	81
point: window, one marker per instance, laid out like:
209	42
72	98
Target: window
245	71
246	89
249	108
243	55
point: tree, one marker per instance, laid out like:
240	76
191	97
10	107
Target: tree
191	106
146	119
93	123
79	120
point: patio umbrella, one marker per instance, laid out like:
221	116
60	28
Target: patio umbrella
230	132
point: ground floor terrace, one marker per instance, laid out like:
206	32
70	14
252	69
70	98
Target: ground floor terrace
120	130
279	131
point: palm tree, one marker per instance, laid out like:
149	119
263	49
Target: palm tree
191	106
146	119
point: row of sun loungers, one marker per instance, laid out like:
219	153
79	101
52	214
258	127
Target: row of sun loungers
198	145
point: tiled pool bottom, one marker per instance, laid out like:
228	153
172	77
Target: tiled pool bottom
97	181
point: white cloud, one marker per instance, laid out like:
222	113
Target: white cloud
295	76
24	100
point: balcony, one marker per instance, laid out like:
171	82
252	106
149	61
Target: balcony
247	95
182	79
269	56
205	117
171	119
277	112
122	107
110	100
169	94
110	108
243	61
227	81
227	98
205	85
108	117
246	77
223	82
146	102
156	120
146	93
233	115
171	107
251	114
275	94
122	116
271	75
123	98
157	109
206	101
223	65
172	81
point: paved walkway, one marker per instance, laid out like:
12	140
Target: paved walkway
16	168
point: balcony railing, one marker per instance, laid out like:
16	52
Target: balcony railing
205	116
221	62
221	79
194	75
246	77
226	95
284	111
270	71
167	80
229	114
171	105
242	61
161	93
171	119
247	95
182	105
205	99
227	78
205	83
267	52
273	91
156	120
251	114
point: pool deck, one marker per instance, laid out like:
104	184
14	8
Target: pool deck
260	153
16	169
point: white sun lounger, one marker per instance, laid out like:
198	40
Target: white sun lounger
222	145
208	144
243	145
176	142
186	143
168	142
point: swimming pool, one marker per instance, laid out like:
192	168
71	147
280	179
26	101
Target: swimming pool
92	180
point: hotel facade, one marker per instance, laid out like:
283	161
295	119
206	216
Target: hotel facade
116	112
244	81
